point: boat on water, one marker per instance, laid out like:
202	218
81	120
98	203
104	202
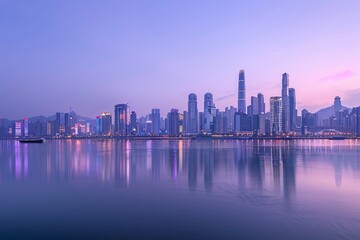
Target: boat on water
337	138
32	140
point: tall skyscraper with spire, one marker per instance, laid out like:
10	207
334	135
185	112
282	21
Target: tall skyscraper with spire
241	92
285	103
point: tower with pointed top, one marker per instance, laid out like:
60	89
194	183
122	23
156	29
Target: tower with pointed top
241	92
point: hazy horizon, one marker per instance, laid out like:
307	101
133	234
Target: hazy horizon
91	55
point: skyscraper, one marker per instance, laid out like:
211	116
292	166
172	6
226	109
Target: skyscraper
285	103
57	123
155	121
122	119
261	103
173	122
293	111
241	92
106	122
67	124
193	115
275	115
26	127
254	109
133	123
209	111
337	104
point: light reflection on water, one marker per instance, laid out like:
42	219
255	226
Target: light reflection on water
300	185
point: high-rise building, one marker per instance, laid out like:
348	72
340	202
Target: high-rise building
49	128
67	126
229	114
18	129
25	127
193	115
155	121
173	122
57	123
261	103
293	111
242	92
122	119
285	103
133	124
357	121
240	122
98	125
276	115
337	104
209	112
309	121
254	107
106	122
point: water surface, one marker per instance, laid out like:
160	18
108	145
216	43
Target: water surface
62	189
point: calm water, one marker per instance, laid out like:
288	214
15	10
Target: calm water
306	189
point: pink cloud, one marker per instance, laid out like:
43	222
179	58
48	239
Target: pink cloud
338	76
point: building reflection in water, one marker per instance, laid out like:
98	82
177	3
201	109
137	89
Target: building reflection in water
259	166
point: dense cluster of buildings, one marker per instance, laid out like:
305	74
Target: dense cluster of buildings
243	120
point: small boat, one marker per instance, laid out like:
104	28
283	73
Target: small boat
31	140
337	138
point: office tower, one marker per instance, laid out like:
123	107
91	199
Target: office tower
285	103
209	111
193	115
133	123
98	125
57	123
254	109
155	121
261	103
25	127
308	121
241	92
173	122
185	122
201	122
230	113
17	129
122	120
67	126
240	122
357	121
275	115
293	111
48	128
337	104
261	129
181	122
106	122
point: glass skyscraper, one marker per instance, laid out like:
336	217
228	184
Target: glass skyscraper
242	92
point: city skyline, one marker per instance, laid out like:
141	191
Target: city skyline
161	51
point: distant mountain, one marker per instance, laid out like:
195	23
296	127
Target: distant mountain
326	113
52	118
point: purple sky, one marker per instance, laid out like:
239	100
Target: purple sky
91	55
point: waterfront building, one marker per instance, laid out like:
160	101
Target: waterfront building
173	122
276	115
106	122
261	103
293	111
285	103
155	121
122	120
192	115
242	92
